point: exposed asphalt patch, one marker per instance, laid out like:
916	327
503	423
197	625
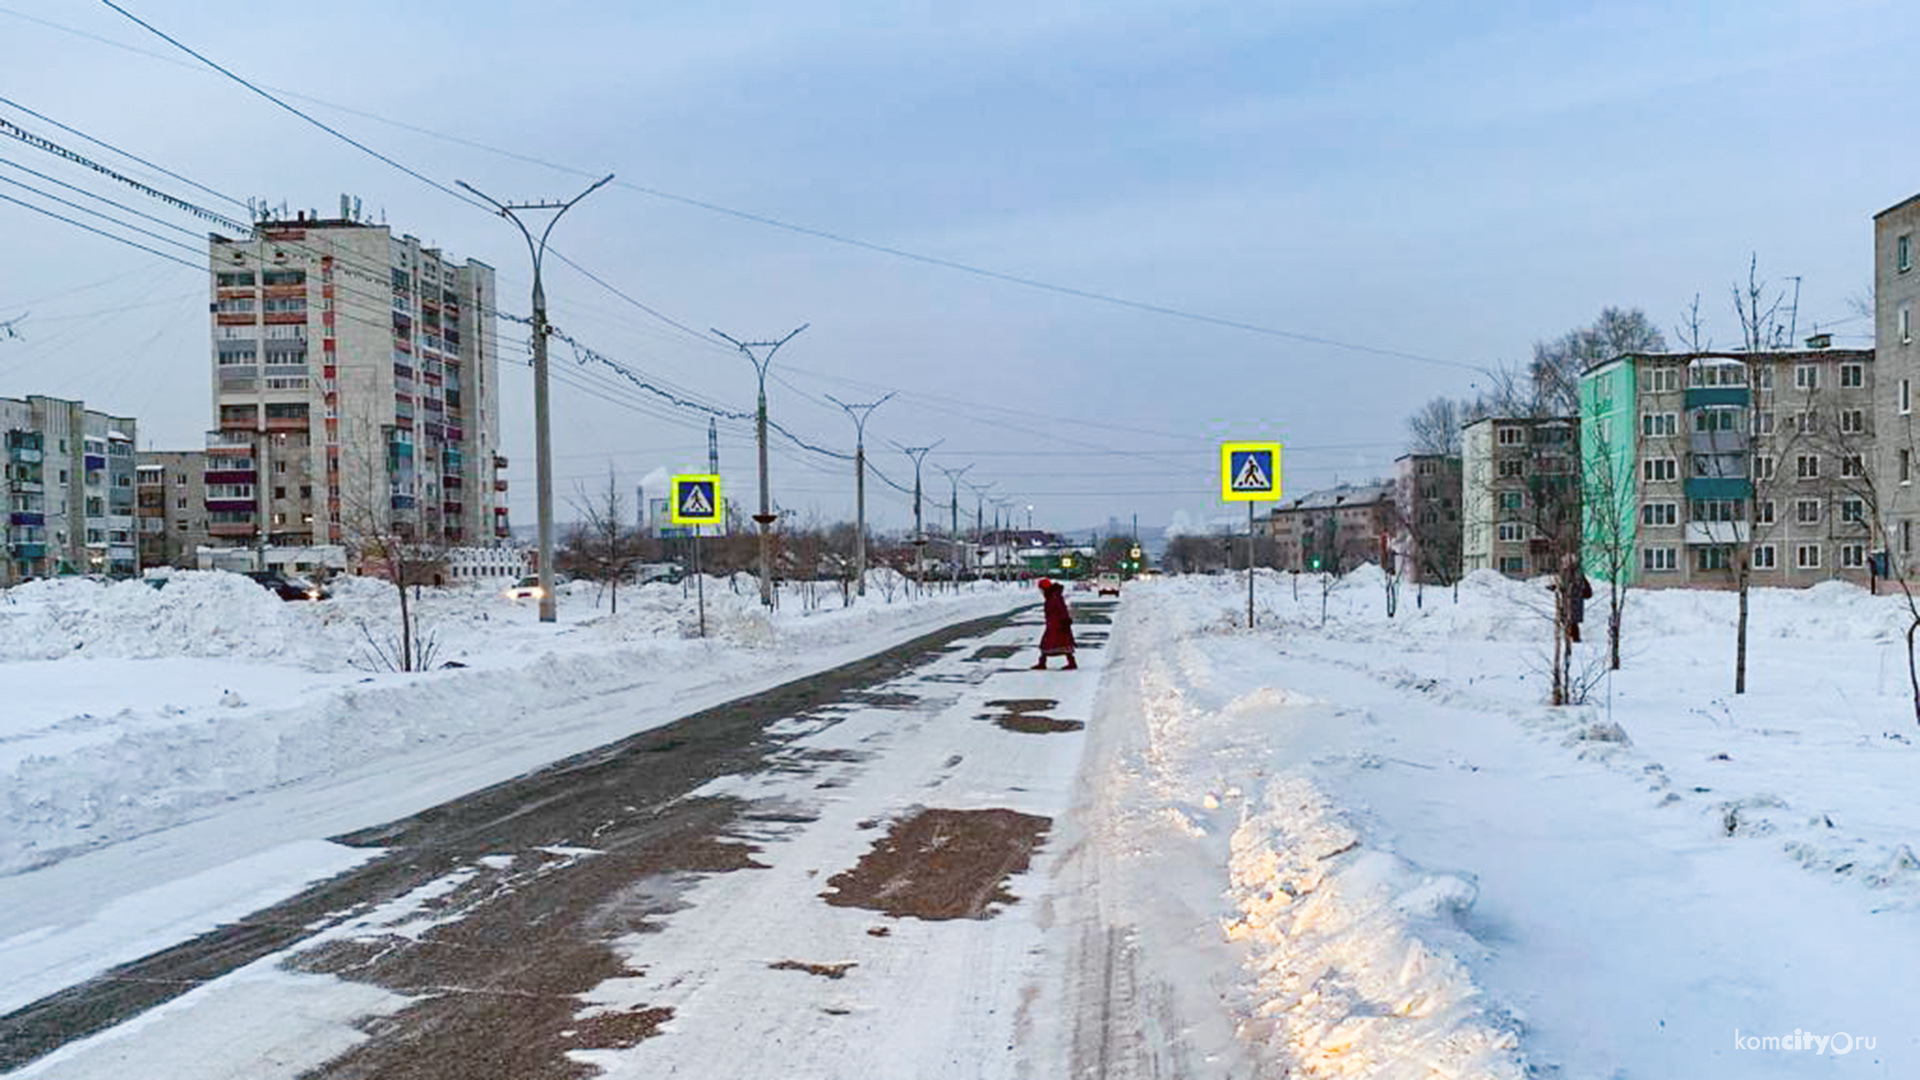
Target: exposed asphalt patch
825	971
942	864
1027	716
994	652
511	949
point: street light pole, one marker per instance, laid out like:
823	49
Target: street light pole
953	524
918	454
542	440
859	414
766	516
980	516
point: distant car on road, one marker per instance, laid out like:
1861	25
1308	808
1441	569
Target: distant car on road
1107	584
527	588
287	586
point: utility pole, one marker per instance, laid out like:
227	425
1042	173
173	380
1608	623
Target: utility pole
1002	520
542	440
766	516
980	516
918	454
953	524
859	414
713	446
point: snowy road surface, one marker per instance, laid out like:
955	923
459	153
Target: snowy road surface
1357	849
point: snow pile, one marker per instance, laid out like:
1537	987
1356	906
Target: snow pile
138	708
1356	953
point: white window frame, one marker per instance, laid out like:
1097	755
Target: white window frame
1660	469
1853	556
1806	377
1764	557
1853	421
1764	512
1903	253
1806	466
1512	532
1905	405
1656	514
1852	375
1806	556
1511	436
1906	323
1806	511
1763	465
1658	560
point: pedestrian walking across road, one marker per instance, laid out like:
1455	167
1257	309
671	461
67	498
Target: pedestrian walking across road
1057	638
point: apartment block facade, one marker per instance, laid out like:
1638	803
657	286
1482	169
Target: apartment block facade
355	390
1896	304
1694	462
1427	520
171	499
1519	494
1333	529
68	489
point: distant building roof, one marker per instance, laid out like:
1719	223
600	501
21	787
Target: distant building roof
1341	495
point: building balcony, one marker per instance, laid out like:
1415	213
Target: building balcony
231	506
28	551
234	319
499	461
230	528
502	532
450	482
229	440
25	455
23	518
404	502
1718	487
287	423
1700	397
452	507
230	476
1718	532
1718	442
499	485
93	462
29	487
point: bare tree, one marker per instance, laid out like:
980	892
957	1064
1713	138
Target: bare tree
1558	364
603	547
1609	503
1760	329
1434	428
381	522
1688	332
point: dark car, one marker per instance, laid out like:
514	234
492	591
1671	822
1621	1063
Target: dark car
286	587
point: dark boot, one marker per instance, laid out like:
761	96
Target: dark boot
1071	664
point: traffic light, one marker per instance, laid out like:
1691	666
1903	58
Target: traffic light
1313	563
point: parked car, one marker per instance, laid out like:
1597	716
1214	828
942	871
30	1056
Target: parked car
1107	584
527	588
288	586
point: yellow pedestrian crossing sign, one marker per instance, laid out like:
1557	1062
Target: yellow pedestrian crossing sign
695	500
1249	471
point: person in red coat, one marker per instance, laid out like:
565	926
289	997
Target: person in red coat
1057	639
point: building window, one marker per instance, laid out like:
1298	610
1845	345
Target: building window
1853	511
1852	375
1707	420
1711	557
1763	377
1663	380
1853	556
1763	423
1806	556
1763	557
1718	510
1654	469
1806	511
1906	396
1513	436
1513	467
1807	466
1657	559
1906	466
1906	537
1763	512
1806	377
1906	323
1903	253
1665	513
1512	532
1513	564
1512	500
1853	421
1852	466
1763	467
1806	423
1659	424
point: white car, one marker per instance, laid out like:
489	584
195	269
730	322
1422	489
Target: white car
527	588
1107	584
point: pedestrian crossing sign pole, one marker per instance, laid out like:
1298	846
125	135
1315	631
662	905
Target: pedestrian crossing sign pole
694	500
1249	473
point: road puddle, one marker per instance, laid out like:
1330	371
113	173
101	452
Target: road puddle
1028	716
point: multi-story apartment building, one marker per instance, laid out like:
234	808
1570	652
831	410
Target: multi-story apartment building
68	487
1519	494
1896	302
355	386
1696	462
170	491
1336	529
1427	527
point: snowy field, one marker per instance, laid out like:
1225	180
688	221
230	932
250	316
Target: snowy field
1421	870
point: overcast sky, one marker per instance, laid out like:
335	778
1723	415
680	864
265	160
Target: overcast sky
1397	180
